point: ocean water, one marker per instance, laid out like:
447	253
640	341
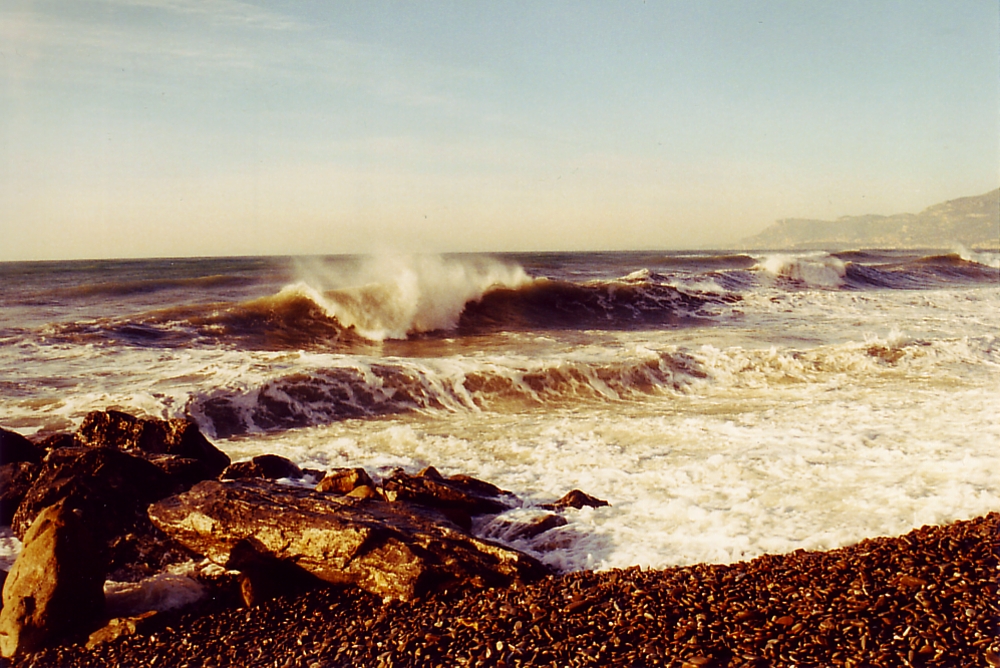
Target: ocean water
726	405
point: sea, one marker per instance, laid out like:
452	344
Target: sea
725	404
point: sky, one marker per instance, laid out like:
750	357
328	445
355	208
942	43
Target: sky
174	128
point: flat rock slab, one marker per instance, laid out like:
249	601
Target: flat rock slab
394	550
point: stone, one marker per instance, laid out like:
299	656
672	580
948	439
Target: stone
56	587
16	448
511	530
120	627
115	485
577	499
182	472
394	550
271	467
462	493
56	441
16	479
345	481
263	576
121	431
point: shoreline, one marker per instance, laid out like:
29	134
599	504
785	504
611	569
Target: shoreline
927	598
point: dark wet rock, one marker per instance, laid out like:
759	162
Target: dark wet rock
181	472
345	481
121	431
271	467
429	488
16	448
56	587
394	550
577	499
114	485
524	530
15	481
56	441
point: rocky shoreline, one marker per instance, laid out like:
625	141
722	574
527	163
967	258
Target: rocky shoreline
405	583
928	598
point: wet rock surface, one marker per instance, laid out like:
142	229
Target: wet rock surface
16	479
928	598
56	586
394	550
151	436
16	448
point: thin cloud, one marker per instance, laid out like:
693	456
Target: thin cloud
230	12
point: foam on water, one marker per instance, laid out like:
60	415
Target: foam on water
390	297
812	269
707	478
805	409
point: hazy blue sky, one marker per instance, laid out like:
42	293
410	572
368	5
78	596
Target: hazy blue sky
207	127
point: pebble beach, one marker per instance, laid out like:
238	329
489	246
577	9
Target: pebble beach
927	598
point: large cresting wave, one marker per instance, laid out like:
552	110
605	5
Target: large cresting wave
402	297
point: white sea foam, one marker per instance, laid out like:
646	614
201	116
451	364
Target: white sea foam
804	418
390	297
813	269
985	258
10	547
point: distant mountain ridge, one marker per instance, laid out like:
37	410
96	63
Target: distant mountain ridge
973	222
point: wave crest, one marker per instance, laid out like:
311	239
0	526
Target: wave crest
394	297
818	270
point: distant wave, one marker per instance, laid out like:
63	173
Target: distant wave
416	297
635	301
871	269
147	286
811	270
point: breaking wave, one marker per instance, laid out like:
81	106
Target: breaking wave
408	297
859	270
356	388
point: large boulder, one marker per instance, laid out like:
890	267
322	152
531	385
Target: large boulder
114	488
56	587
151	436
16	448
394	550
15	480
115	485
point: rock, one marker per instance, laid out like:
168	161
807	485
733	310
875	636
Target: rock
120	627
16	448
511	530
115	485
577	499
15	481
345	481
56	587
263	576
462	493
121	431
272	467
56	441
182	472
394	550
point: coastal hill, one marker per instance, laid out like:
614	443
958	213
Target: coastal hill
973	222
